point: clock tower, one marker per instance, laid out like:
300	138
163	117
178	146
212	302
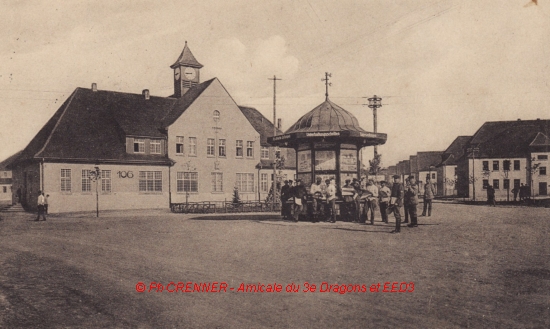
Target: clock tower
186	72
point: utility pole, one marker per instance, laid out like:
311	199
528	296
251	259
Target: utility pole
473	150
374	103
274	186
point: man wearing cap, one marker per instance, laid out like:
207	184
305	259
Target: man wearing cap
40	203
384	195
429	192
299	193
372	200
317	190
331	201
349	194
412	194
396	201
357	186
285	195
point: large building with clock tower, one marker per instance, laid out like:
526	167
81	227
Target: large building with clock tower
149	151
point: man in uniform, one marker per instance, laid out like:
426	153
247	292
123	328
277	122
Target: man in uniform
349	194
331	201
372	200
299	193
412	193
317	190
285	195
396	201
384	196
429	193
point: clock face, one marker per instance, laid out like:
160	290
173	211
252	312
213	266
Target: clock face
189	73
177	73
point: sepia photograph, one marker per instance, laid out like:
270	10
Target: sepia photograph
274	164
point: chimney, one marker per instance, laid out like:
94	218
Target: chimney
145	94
519	119
94	86
279	123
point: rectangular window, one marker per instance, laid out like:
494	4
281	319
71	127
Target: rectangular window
139	145
433	176
516	164
5	189
154	146
106	181
485	183
192	146
239	148
245	182
496	165
249	149
86	181
210	147
65	180
179	145
264	183
217	182
221	147
506	165
517	182
150	181
542	171
265	152
485	165
187	182
496	184
542	157
506	184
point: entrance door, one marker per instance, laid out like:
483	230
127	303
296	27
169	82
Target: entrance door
543	188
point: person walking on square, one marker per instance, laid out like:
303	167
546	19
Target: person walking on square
384	195
429	193
396	202
406	201
299	193
40	203
412	192
372	200
331	202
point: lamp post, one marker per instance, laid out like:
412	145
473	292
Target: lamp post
95	176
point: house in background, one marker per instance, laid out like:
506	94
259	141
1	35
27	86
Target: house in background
506	154
7	190
448	165
427	167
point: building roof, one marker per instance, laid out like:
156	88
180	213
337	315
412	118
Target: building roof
509	139
327	116
4	165
427	159
454	151
262	125
186	59
181	104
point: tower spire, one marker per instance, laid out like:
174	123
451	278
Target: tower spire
327	75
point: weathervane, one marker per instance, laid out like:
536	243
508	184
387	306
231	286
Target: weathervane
327	75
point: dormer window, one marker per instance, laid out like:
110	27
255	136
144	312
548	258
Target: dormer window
154	146
139	145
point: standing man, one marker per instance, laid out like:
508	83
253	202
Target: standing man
19	192
406	200
285	195
331	202
515	190
40	206
429	193
372	200
300	193
396	201
384	195
357	186
412	192
349	194
317	190
491	196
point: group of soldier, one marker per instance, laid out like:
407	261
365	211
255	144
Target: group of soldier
358	199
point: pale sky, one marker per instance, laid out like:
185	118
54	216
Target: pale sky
442	67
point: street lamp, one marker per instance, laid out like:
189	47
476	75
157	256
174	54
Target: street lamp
95	176
473	150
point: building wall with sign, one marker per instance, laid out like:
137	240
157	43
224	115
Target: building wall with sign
120	187
200	174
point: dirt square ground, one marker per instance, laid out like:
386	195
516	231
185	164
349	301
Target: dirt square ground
471	267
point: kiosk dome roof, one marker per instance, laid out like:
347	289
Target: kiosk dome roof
326	117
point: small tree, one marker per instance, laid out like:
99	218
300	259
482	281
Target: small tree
533	168
236	197
375	164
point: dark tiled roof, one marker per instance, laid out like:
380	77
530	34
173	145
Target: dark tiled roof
508	139
94	125
8	161
260	123
181	104
540	140
427	159
326	117
454	151
187	59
